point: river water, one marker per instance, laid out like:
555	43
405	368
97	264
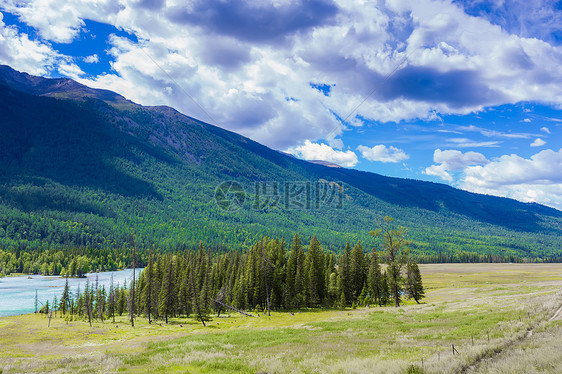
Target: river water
17	294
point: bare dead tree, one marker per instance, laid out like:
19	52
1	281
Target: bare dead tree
219	300
233	308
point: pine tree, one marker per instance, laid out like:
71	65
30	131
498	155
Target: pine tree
374	278
267	272
65	299
414	286
278	281
148	288
111	300
122	300
198	297
100	303
357	270
88	301
54	309
167	294
333	288
345	272
183	296
79	307
396	253
296	273
315	272
132	300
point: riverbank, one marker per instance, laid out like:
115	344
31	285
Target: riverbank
18	293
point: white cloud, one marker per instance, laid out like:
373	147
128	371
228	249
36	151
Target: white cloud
495	134
537	179
316	151
382	153
33	57
527	120
93	59
538	142
453	160
456	160
467	143
438	171
62	22
545	130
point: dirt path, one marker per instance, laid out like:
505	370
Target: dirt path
474	365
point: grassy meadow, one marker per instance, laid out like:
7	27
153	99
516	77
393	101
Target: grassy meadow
501	318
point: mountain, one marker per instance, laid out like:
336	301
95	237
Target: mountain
83	167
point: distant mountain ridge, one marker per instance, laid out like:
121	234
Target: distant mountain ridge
57	87
91	159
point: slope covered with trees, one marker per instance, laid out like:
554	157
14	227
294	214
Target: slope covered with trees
81	168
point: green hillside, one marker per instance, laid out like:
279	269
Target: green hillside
81	168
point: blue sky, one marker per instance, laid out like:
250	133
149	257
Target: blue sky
467	93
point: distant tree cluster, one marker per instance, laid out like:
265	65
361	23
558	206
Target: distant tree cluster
266	277
66	262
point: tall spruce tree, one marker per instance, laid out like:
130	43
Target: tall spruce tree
345	273
111	300
148	290
295	274
167	294
315	270
375	278
65	299
414	286
88	301
396	254
357	270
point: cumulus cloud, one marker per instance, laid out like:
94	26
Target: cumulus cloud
321	151
93	59
382	153
537	179
545	130
438	171
456	160
453	160
34	57
538	142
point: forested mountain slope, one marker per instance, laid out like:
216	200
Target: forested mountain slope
81	167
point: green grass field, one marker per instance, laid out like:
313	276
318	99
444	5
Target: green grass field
498	316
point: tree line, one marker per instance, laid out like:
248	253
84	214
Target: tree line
271	275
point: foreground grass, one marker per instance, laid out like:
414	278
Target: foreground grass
485	310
